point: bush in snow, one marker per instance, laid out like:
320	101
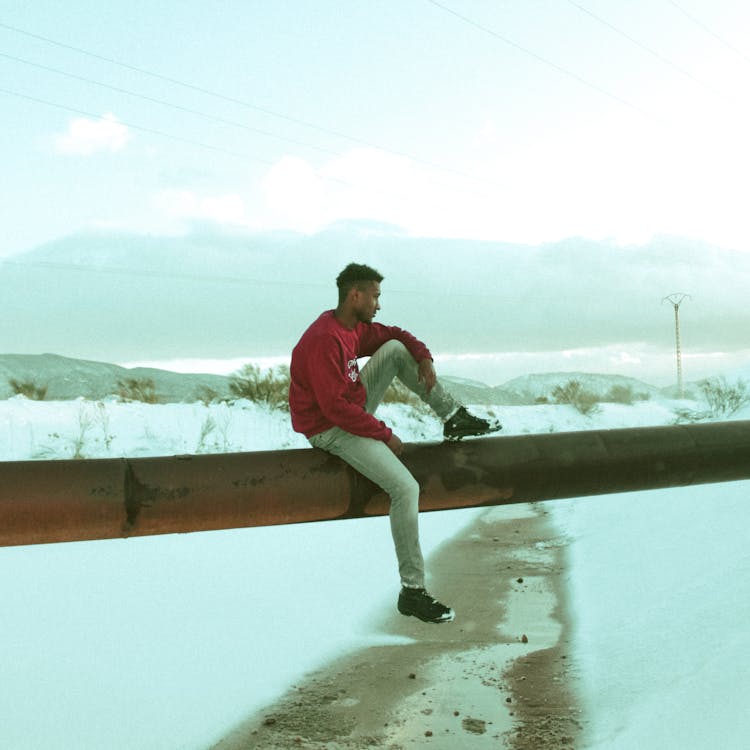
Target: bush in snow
207	395
723	398
624	394
137	389
271	386
28	388
577	396
216	425
75	440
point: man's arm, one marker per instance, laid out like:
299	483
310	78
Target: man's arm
374	335
329	384
426	374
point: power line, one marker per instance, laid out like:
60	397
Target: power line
203	278
142	128
199	113
201	144
710	31
174	81
206	115
165	103
151	273
243	103
221	149
642	46
537	57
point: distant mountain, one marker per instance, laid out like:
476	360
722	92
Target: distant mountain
65	379
474	392
528	388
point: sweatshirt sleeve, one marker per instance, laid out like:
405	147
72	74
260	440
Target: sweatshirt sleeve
328	382
376	334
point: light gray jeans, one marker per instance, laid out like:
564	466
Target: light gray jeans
375	460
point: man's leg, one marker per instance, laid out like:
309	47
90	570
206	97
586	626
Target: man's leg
377	462
393	360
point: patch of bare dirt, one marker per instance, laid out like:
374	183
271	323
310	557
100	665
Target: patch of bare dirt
500	676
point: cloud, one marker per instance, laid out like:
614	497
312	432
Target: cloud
528	193
363	184
85	136
625	358
617	177
295	197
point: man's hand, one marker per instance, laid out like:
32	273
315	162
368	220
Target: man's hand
395	445
426	374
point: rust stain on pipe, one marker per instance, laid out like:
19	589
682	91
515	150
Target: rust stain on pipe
56	501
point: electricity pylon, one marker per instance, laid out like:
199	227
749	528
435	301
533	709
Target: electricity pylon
676	300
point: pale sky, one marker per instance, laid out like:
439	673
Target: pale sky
520	121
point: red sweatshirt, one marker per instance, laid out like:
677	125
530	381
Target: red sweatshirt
326	390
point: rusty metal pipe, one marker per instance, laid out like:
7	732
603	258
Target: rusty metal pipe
60	501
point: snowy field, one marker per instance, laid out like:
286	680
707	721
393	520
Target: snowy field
166	642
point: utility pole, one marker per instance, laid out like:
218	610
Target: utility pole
676	300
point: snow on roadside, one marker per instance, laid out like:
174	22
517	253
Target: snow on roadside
100	429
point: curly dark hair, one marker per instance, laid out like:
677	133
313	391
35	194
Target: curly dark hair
355	275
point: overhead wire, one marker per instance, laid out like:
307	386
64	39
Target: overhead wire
185	109
153	273
243	103
709	30
224	121
215	279
171	105
267	111
134	126
221	149
644	47
540	58
192	142
165	103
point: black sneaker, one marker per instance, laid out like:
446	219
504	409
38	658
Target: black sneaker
462	424
418	603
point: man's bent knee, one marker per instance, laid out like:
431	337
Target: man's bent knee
394	348
405	490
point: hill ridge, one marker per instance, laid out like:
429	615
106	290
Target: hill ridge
67	378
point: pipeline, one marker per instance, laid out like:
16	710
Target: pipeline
77	500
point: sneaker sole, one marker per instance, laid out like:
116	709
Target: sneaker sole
454	438
449	617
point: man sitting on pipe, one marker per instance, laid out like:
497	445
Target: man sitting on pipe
332	403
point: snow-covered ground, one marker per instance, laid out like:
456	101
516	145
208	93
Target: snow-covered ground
166	642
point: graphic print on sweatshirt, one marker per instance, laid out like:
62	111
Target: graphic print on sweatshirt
352	370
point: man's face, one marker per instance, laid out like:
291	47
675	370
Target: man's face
366	301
